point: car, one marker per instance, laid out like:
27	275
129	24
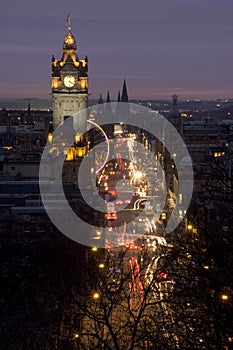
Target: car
111	216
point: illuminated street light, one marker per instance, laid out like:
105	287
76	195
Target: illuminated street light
189	227
50	138
101	266
163	216
96	295
94	249
224	297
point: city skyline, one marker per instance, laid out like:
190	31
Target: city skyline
182	48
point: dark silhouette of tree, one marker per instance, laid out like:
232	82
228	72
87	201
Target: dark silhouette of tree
175	294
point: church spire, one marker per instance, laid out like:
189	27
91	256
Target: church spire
100	99
108	98
124	96
119	96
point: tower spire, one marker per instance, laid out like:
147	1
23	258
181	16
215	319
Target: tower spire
69	41
119	96
100	99
108	97
124	96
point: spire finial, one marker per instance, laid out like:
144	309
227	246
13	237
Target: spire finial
69	41
68	22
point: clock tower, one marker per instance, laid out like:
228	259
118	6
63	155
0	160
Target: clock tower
69	84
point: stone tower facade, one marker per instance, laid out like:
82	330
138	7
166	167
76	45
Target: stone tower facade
69	84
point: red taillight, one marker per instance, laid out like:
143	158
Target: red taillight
111	216
162	275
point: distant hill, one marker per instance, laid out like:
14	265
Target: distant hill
35	103
216	108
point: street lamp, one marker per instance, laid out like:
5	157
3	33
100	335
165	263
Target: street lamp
224	297
96	295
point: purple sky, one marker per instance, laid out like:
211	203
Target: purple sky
161	46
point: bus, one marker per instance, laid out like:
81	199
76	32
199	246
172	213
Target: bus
110	212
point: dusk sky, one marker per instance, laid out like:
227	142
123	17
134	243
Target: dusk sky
160	46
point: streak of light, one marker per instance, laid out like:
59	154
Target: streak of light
108	146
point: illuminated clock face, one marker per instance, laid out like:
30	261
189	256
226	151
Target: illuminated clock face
69	81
